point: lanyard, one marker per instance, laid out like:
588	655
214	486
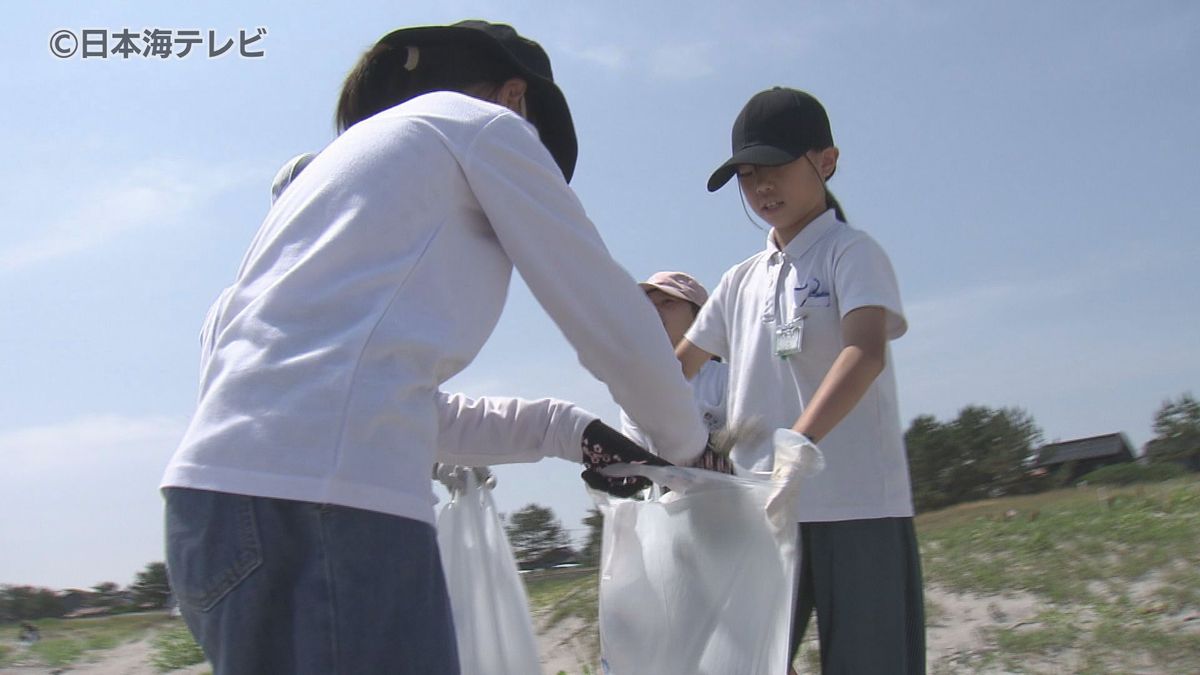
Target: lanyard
787	336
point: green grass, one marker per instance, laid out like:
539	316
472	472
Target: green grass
67	641
1116	567
1050	632
1081	552
175	648
1115	570
57	651
561	595
1077	536
574	594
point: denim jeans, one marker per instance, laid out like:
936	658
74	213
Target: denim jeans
278	586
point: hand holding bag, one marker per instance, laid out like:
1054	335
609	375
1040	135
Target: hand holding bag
699	580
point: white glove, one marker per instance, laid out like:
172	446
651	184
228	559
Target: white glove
796	456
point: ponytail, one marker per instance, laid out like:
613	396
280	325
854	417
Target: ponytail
831	202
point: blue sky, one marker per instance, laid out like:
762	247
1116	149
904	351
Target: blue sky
1030	167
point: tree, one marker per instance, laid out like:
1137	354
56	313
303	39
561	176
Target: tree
18	603
590	554
151	586
984	452
1176	433
105	594
536	534
929	462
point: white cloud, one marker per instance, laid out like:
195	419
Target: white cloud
156	194
84	441
609	57
682	61
661	62
81	500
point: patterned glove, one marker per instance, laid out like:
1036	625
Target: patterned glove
602	446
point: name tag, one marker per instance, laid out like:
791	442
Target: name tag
789	338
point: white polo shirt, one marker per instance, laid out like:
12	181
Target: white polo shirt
376	276
826	271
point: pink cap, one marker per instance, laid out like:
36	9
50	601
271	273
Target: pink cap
677	285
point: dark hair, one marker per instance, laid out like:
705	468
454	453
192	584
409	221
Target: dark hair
831	202
380	79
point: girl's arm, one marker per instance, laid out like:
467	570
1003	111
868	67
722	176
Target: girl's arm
864	333
691	357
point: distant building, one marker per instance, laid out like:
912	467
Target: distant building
72	599
1084	455
551	558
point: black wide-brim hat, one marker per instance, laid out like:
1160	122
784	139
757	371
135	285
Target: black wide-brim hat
775	127
547	105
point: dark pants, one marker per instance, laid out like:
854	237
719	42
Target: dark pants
278	586
863	577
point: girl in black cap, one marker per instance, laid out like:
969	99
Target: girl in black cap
299	503
804	325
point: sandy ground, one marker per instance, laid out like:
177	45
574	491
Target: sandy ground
953	629
955	632
132	658
565	647
559	648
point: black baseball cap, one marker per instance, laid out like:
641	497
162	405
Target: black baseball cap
547	105
775	127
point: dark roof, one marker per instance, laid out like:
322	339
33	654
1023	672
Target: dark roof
1095	447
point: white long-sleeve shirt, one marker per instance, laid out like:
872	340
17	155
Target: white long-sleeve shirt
708	391
378	275
491	429
504	430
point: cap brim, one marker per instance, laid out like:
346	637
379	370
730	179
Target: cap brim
548	107
646	286
763	155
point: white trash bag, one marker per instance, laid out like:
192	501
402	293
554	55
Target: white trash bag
491	612
698	581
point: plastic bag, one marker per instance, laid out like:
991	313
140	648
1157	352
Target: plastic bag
699	581
491	612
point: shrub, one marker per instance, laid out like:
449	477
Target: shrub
1129	473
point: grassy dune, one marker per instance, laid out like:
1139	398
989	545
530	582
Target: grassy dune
68	641
1112	577
1092	580
1115	572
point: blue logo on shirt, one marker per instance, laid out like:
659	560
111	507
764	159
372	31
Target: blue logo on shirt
813	286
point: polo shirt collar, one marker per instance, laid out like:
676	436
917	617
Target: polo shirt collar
811	234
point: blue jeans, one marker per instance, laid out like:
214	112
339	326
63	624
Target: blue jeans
278	586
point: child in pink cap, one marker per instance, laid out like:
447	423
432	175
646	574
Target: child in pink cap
677	298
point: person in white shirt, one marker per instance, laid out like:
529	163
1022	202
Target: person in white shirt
299	506
805	326
678	297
